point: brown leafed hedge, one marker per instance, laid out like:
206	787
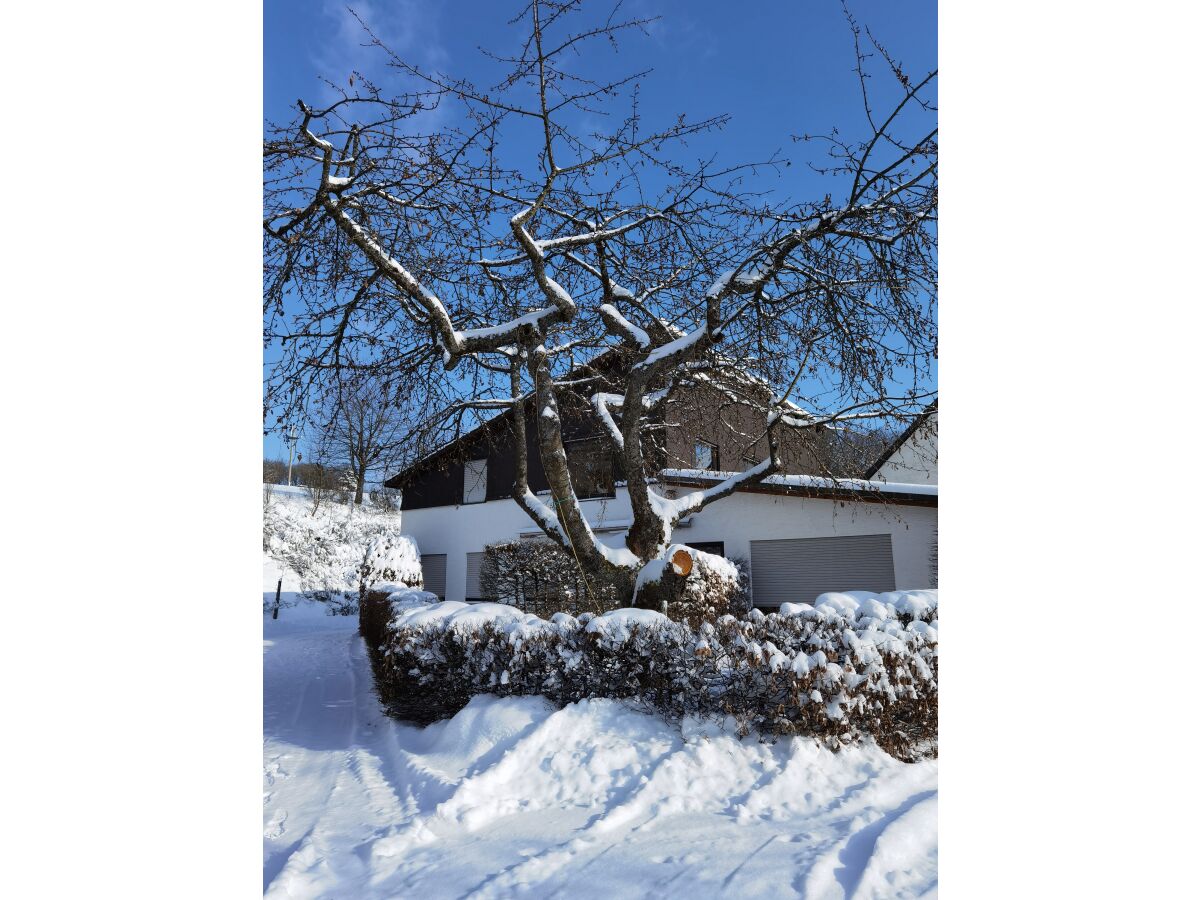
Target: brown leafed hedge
838	675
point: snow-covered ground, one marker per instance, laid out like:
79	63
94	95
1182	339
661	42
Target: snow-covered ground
513	797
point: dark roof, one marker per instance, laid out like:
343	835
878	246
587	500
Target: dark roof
899	442
457	449
452	450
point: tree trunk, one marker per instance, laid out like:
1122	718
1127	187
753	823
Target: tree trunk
358	488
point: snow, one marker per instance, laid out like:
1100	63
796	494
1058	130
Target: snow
510	327
619	556
671	510
814	481
755	273
392	556
706	564
451	613
600	402
407	597
560	296
639	335
650	572
865	603
320	556
617	624
593	800
720	284
676	346
413	613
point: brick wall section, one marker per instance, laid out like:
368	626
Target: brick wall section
738	430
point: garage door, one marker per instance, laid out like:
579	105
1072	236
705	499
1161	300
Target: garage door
798	570
433	570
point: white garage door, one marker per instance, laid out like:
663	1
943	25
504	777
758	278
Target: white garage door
433	571
798	570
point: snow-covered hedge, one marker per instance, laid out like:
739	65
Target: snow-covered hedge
848	666
391	557
331	553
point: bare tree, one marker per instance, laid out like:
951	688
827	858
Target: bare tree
363	426
320	482
274	471
484	259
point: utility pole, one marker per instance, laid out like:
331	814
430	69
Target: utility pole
292	436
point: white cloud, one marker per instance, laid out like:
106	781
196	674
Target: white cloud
408	27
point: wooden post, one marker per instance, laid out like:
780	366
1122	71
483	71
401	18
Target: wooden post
278	588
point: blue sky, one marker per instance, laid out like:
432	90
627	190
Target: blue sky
780	68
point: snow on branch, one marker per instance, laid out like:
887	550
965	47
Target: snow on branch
548	520
509	329
620	326
674	510
601	403
570	242
690	343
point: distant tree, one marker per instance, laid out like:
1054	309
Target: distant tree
362	425
320	482
274	471
386	499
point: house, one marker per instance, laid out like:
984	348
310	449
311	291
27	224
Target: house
912	457
802	534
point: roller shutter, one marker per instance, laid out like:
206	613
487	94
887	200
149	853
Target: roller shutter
433	570
798	570
474	562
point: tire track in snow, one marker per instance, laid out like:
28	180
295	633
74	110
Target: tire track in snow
838	870
332	735
513	796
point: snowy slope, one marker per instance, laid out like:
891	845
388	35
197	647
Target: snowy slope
595	800
320	554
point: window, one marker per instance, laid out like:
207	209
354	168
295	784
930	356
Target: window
717	548
474	593
475	481
707	456
433	572
591	467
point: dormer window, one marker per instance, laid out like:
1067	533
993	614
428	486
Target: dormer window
475	481
707	456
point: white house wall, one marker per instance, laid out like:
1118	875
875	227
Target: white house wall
737	520
914	461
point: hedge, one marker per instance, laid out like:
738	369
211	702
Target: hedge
843	670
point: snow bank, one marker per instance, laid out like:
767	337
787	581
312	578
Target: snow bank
517	797
459	614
